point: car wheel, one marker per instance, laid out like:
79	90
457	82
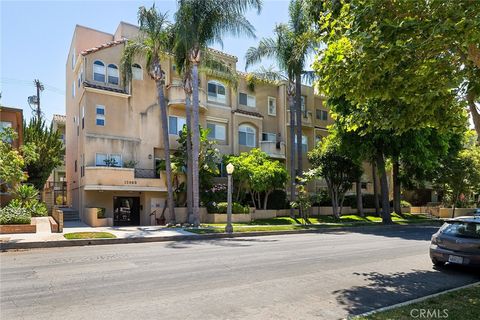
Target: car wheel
437	263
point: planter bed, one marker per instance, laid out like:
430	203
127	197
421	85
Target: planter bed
19	228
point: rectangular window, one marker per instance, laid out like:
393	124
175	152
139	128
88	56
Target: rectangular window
321	114
364	185
216	92
100	115
324	115
267	136
75	165
303	103
318	138
73	89
83	117
175	124
246	100
304	143
318	114
115	160
272	106
217	131
100	159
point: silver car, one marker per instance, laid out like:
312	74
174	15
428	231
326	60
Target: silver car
457	241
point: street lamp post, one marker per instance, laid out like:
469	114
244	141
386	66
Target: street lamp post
229	227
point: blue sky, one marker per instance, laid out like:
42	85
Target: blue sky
35	38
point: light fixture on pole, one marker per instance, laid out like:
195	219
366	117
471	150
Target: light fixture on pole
229	227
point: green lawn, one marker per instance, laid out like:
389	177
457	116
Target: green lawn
88	235
458	305
287	223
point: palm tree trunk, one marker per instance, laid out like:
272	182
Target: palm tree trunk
375	189
166	148
396	187
358	191
195	147
298	103
386	218
292	153
189	159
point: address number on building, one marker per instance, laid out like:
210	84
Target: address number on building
129	182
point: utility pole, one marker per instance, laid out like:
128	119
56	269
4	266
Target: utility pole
39	87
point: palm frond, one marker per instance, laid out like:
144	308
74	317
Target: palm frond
267	48
217	69
134	48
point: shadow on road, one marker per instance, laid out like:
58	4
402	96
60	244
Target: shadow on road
221	242
406	233
381	290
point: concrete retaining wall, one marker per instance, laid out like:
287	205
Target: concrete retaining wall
447	212
91	218
263	214
57	215
222	217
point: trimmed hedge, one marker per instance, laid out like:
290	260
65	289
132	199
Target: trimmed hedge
221	207
11	215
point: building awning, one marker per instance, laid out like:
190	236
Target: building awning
122	188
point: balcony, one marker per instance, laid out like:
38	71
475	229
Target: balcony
307	118
123	179
273	149
176	97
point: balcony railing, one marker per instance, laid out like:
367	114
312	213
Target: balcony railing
273	149
146	174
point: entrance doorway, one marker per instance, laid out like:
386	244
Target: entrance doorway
126	211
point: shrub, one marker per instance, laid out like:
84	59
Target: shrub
60	200
321	199
405	204
14	215
36	208
100	213
26	193
277	200
221	207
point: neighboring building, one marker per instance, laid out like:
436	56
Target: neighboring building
55	190
116	123
11	118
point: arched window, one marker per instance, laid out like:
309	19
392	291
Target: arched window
216	92
98	71
247	135
112	74
137	73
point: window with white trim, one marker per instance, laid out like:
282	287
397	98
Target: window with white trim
217	131
304	143
175	124
115	160
113	75
303	103
83	117
98	71
247	135
110	160
246	100
269	136
100	115
322	115
272	106
137	72
216	92
100	159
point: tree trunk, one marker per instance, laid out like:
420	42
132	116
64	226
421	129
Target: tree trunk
292	149
195	148
386	218
358	190
341	205
298	111
334	204
396	188
190	216
265	201
474	112
375	189
166	148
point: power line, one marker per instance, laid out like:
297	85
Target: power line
29	83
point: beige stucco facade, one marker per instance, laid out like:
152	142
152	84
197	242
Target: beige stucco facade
121	121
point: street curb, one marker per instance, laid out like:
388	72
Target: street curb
5	246
406	303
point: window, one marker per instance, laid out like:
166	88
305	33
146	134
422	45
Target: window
303	103
321	114
304	143
267	136
318	139
137	73
363	185
98	71
246	100
73	89
217	131
100	116
79	79
115	160
75	165
112	74
272	106
216	92
175	124
246	136
83	117
100	159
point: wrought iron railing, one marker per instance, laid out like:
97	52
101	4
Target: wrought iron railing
146	173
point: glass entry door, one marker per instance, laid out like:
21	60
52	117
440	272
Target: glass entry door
126	211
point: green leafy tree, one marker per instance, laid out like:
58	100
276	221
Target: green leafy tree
153	44
256	174
48	146
199	23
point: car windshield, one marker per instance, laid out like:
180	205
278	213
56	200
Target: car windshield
462	229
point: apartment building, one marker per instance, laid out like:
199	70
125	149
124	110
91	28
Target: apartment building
113	129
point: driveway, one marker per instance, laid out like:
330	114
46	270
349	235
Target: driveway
328	275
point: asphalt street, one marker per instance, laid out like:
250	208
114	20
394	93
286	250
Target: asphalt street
328	275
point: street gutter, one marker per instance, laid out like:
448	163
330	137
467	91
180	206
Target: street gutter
6	246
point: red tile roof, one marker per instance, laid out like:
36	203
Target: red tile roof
100	87
248	113
102	46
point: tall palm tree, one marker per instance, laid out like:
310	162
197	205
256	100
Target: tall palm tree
152	43
200	23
